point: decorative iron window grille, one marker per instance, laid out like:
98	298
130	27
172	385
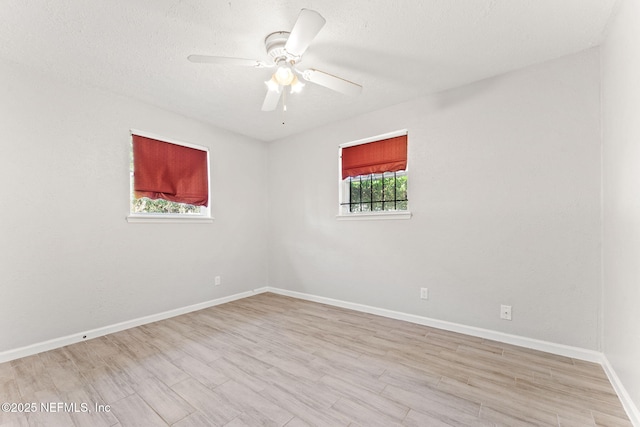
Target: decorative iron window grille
376	192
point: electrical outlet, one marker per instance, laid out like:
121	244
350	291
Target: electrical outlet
424	293
505	312
217	281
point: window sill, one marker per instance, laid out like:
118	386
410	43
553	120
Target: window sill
374	216
169	219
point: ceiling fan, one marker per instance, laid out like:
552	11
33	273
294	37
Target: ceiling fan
285	50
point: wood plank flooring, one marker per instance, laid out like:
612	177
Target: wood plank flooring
278	361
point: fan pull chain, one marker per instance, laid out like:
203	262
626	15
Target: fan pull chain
284	104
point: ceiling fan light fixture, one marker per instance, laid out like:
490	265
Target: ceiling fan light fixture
272	84
285	50
284	76
296	85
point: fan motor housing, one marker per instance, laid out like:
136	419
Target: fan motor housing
274	43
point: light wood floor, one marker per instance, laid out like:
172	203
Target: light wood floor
273	360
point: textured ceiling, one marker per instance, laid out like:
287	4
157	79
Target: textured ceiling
397	50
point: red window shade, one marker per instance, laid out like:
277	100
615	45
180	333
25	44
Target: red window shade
169	171
386	155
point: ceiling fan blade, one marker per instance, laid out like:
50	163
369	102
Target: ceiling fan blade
306	28
332	82
223	60
271	100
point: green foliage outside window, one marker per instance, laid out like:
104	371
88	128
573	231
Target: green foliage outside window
378	192
146	205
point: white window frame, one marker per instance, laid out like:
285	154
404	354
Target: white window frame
382	215
205	211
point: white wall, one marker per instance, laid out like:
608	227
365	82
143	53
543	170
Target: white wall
504	187
69	260
621	190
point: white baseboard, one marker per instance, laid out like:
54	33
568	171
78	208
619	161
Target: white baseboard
629	406
32	349
560	349
548	347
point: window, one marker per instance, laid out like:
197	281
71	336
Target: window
169	180
376	192
373	177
